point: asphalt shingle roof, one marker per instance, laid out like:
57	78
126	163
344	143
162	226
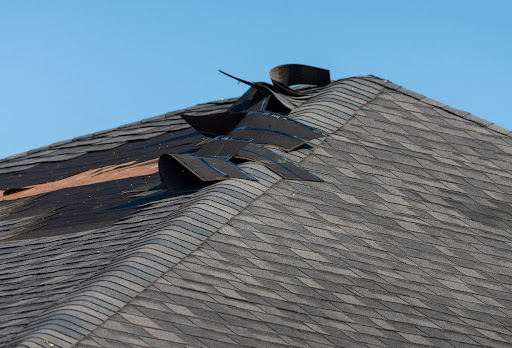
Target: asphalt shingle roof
406	242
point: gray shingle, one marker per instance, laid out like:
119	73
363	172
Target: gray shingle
405	243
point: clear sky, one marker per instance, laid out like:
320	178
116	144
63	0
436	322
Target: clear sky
69	68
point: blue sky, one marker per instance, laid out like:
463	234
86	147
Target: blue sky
69	68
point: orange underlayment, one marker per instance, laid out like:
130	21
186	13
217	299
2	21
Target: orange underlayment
93	176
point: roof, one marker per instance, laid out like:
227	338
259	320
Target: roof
405	241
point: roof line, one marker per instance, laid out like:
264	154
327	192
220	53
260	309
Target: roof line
375	79
454	111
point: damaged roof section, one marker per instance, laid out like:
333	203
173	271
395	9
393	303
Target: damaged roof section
98	188
258	117
93	190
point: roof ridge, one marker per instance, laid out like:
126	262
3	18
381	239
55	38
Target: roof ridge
454	111
383	82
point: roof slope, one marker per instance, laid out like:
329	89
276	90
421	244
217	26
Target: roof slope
406	242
